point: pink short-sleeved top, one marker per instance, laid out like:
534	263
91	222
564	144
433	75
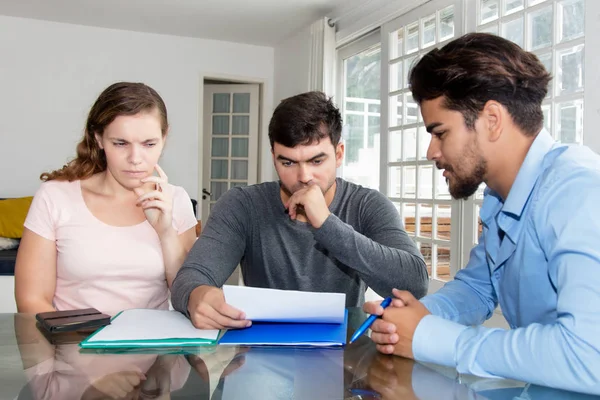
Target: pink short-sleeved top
106	267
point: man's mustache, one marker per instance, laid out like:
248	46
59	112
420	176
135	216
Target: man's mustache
443	166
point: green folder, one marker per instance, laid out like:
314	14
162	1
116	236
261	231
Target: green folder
144	328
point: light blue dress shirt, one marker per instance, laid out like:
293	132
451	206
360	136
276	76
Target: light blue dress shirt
539	258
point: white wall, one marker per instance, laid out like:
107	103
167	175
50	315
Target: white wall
292	65
51	73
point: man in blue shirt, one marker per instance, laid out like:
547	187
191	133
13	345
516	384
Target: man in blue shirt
539	254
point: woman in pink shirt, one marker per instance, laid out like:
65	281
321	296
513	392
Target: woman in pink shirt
103	231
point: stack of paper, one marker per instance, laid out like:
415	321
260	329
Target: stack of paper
279	317
139	328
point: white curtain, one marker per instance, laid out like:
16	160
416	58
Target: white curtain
322	57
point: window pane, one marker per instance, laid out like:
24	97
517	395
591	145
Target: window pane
546	60
396	111
396	43
425	249
217	189
425	181
355	106
447	23
220	102
218	169
424	139
361	115
513	31
363	74
241	102
241	125
396	76
412	37
411	109
395	146
493	29
569	124
408	213
237	184
428	29
441	187
373	134
220	125
239	147
408	63
540	25
571	19
489	10
425	218
547	110
220	147
355	138
443	214
409	144
239	169
570	70
409	178
511	6
395	182
442	270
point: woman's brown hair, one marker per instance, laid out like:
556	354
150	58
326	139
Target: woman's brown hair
122	98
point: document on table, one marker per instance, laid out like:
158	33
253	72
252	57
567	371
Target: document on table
137	328
274	305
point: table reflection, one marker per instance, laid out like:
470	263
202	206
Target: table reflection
56	368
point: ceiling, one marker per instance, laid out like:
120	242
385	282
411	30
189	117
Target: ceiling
260	22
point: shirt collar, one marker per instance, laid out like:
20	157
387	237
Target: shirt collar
528	174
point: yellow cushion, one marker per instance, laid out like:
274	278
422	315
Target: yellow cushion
12	216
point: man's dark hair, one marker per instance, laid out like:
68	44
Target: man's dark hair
478	67
304	119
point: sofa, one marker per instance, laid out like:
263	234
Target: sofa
12	215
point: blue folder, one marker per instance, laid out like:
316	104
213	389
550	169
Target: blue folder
288	334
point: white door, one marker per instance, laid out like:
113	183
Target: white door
230	156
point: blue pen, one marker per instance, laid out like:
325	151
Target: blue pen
367	324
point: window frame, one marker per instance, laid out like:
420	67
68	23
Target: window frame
464	214
364	43
387	29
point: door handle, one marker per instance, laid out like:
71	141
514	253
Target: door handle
205	193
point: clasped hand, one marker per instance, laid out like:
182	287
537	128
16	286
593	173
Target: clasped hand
394	332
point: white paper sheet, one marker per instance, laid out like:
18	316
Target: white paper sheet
143	324
286	305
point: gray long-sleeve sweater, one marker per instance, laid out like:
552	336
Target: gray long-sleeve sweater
362	243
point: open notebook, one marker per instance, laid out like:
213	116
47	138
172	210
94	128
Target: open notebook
279	317
140	328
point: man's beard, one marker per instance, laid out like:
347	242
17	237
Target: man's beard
463	187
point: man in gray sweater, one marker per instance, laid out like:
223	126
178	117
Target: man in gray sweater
309	231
